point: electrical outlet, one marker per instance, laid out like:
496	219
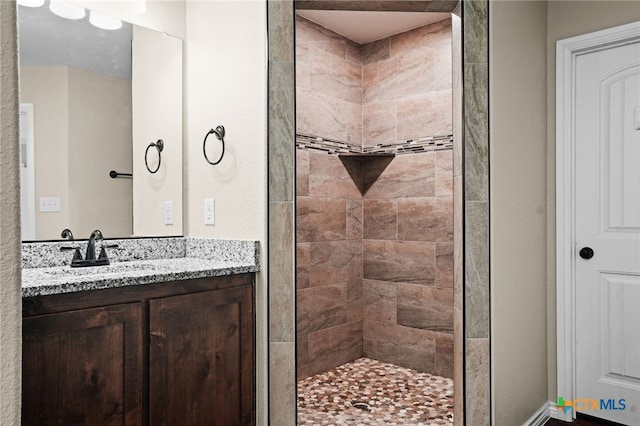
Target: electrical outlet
209	211
168	212
49	204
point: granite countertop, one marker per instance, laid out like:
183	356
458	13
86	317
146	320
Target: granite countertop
201	259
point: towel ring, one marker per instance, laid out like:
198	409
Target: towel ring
219	132
159	145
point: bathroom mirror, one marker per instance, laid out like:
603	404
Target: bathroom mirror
91	101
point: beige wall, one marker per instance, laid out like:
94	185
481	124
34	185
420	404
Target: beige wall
567	19
10	296
47	88
517	107
99	141
226	84
75	148
157	114
523	37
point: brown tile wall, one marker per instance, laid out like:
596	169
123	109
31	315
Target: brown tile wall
328	84
374	239
407	290
406	90
329	264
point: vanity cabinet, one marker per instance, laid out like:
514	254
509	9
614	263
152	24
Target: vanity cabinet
178	353
83	367
201	351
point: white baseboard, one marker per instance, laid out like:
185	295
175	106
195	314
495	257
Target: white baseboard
541	416
560	414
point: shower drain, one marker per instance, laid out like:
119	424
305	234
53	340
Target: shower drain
361	405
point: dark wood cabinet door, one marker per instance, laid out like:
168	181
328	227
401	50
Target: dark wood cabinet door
201	358
83	367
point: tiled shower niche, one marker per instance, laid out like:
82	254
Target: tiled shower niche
374	235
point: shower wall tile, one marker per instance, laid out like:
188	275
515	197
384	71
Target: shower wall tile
425	219
353	52
321	219
444	265
321	307
334	76
329	178
280	32
313	35
422	39
302	172
329	97
477	385
281	131
477	270
379	299
476	134
382	80
406	79
333	118
282	386
445	355
443	68
303	258
334	346
458	365
400	261
406	176
476	207
281	270
379	122
380	219
303	67
458	241
425	308
354	300
302	355
354	220
444	173
425	114
404	346
376	51
334	262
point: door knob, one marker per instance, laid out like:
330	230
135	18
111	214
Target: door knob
586	252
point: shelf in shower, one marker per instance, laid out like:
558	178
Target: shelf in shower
366	155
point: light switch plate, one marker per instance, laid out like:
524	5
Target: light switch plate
209	211
168	212
50	204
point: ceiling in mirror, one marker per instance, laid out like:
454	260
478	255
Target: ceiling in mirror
47	39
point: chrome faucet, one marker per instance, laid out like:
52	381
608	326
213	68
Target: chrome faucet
91	246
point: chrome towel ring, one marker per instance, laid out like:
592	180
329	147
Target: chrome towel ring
159	145
219	132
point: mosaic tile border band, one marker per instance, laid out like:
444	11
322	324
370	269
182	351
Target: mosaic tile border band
409	146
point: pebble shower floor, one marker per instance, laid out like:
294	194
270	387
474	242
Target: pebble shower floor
370	392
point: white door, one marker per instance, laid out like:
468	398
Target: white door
607	221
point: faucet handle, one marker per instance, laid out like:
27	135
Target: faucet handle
66	233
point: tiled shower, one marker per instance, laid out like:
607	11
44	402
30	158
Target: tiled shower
374	233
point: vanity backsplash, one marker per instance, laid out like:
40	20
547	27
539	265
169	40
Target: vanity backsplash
46	255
